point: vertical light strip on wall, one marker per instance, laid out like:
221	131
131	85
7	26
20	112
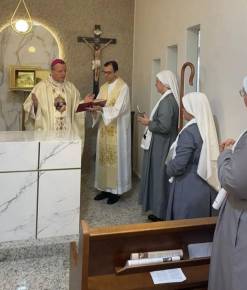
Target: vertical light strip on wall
198	60
154	94
193	54
172	58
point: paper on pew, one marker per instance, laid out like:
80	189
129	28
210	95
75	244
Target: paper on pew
157	254
200	250
148	261
168	276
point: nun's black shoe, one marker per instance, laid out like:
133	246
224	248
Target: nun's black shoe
154	218
102	195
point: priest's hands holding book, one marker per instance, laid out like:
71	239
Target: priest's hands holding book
97	106
91	105
85	103
96	109
93	109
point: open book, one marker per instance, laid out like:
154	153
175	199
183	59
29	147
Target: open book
85	106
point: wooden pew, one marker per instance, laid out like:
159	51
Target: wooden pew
99	261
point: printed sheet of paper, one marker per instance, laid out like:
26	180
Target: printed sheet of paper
168	276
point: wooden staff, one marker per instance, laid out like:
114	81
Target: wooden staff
192	74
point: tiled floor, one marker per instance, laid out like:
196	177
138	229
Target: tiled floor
49	273
99	213
44	265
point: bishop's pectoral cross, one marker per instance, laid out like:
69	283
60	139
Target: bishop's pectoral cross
96	44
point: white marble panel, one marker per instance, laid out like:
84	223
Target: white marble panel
18	156
18	205
59	154
59	203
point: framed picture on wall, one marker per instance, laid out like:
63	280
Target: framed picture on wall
24	79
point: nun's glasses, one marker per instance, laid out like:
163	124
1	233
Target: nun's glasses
242	93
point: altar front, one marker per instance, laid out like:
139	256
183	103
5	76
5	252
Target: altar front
40	180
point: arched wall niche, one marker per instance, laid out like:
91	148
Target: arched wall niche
36	48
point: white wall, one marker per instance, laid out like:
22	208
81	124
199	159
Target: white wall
160	23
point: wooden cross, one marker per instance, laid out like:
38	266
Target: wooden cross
96	44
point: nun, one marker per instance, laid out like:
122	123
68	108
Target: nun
160	132
193	167
228	268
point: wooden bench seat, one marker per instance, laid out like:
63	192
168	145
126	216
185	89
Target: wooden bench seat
99	262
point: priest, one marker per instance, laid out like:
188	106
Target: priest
52	104
113	154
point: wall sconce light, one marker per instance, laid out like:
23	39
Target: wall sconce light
21	21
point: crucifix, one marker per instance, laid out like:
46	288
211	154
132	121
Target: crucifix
96	44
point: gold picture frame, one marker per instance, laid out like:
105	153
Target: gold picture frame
24	79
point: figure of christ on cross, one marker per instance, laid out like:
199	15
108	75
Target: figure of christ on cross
94	43
96	62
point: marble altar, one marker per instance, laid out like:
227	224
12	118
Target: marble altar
40	178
